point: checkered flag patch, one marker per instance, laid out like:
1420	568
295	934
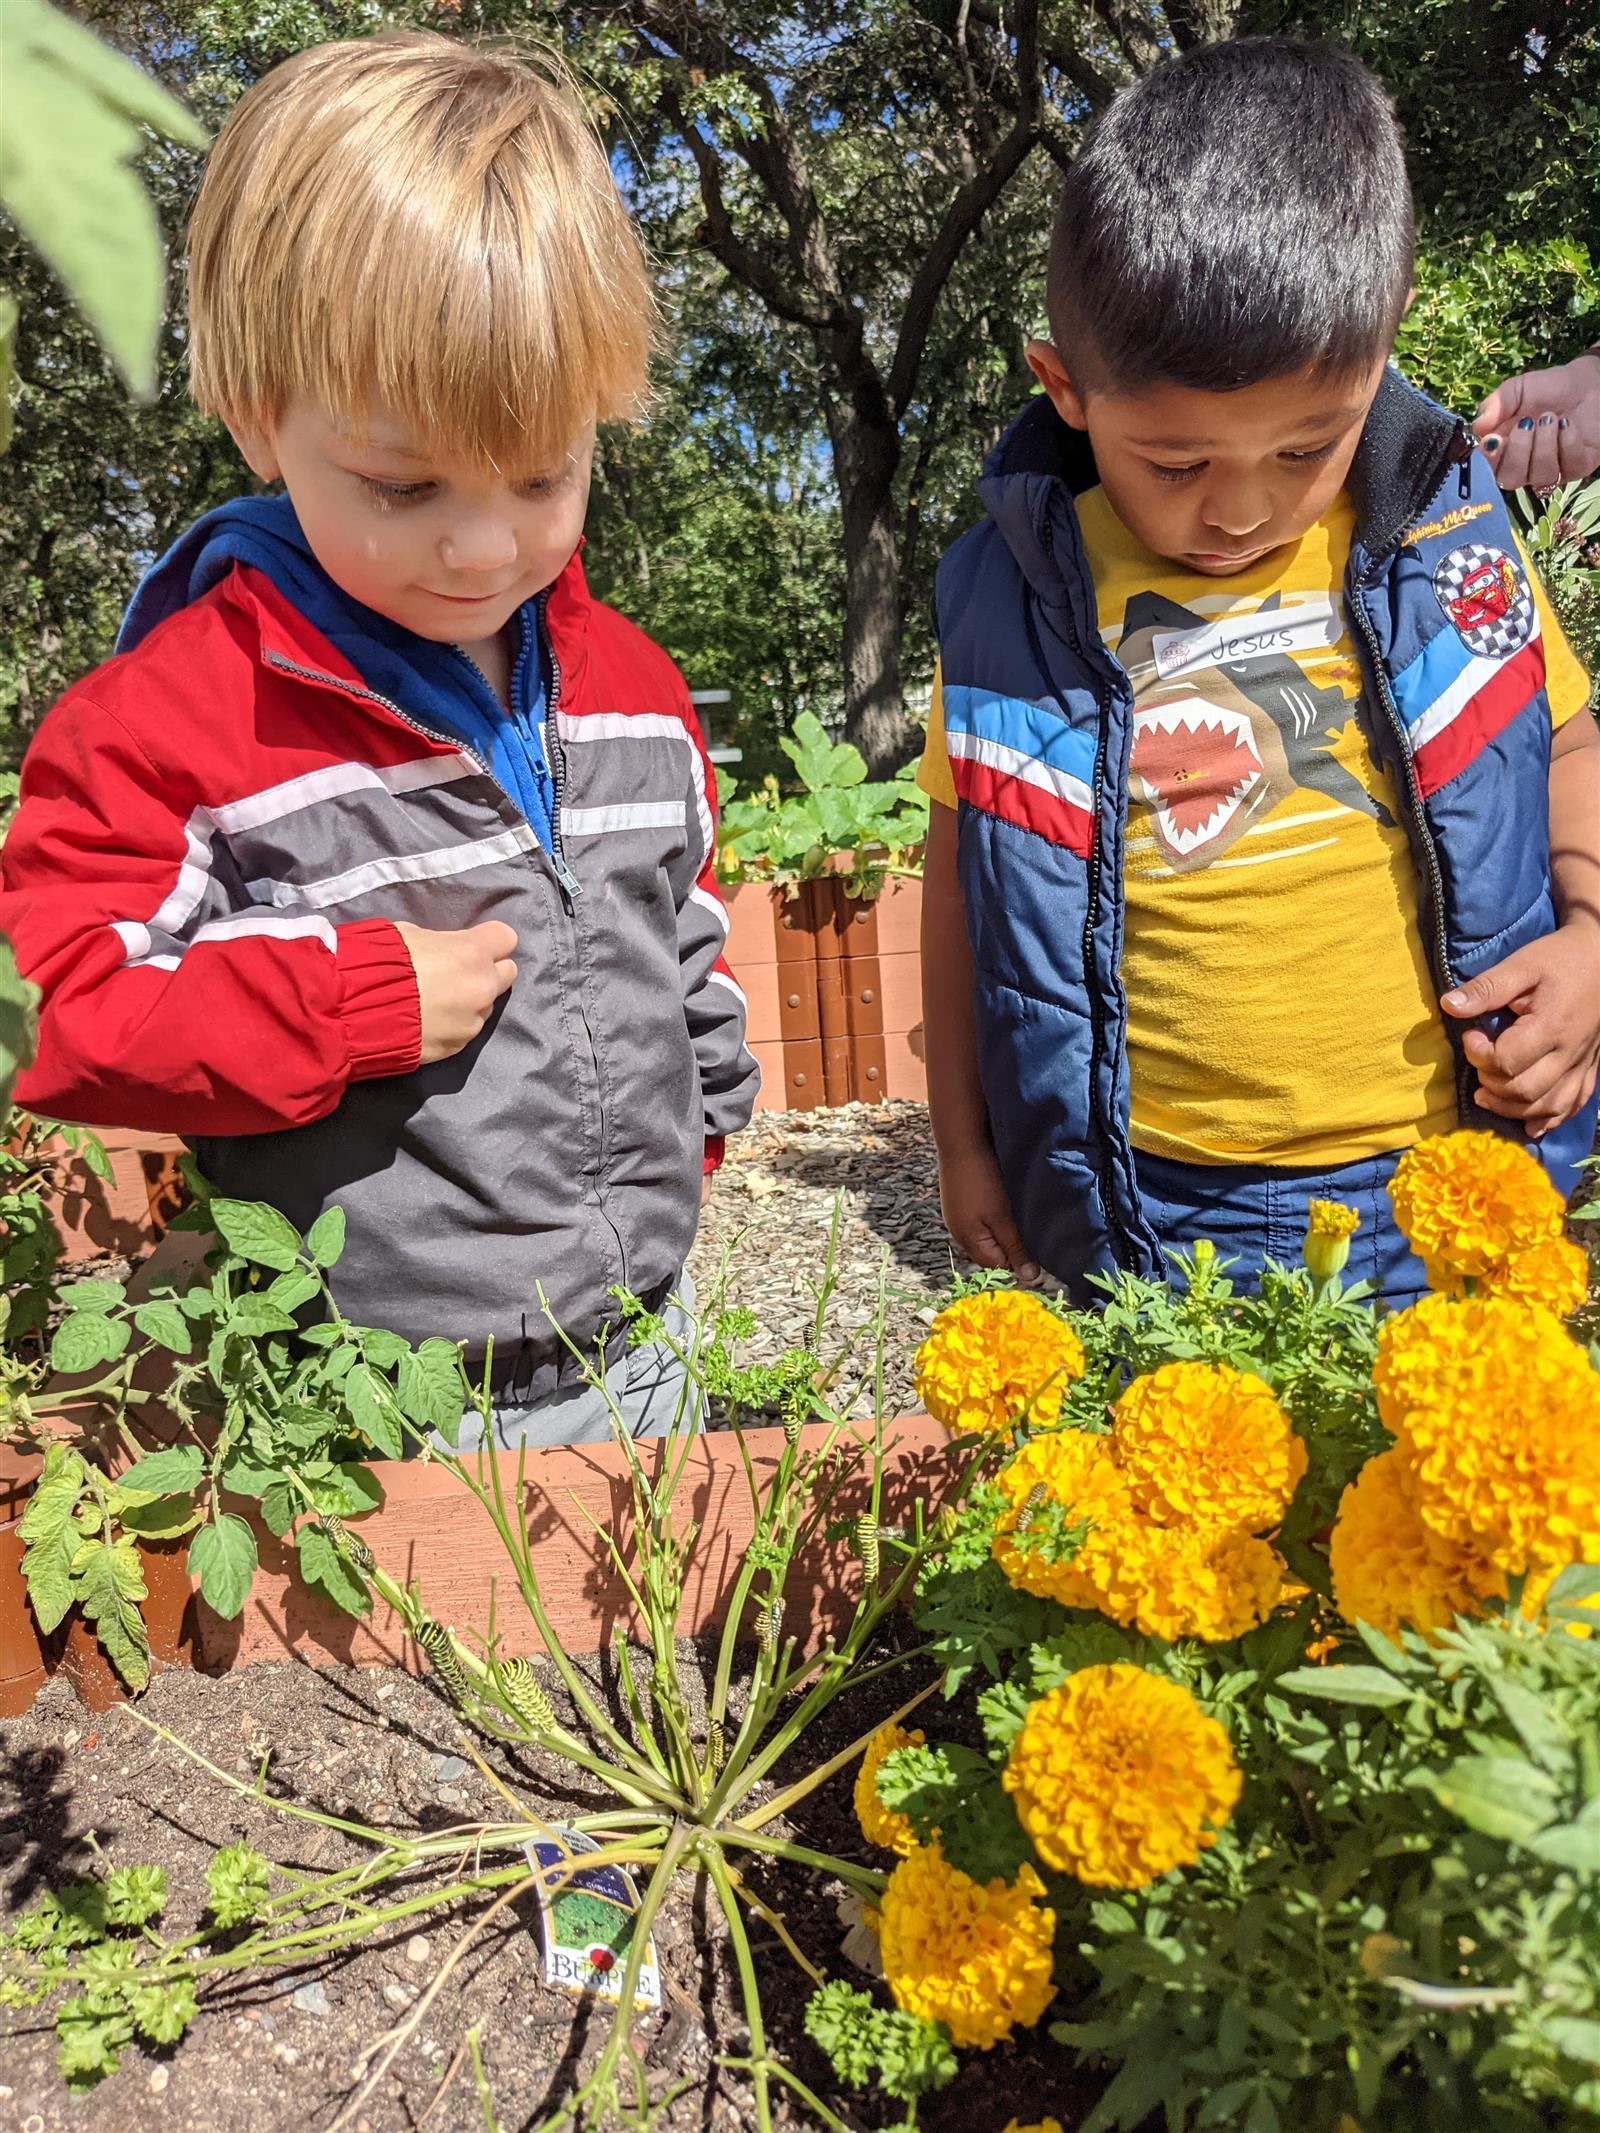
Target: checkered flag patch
1486	596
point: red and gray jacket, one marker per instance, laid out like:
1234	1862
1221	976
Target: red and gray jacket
217	833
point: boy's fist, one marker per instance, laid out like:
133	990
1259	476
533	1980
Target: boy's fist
972	1198
460	976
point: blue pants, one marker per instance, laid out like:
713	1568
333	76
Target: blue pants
1251	1212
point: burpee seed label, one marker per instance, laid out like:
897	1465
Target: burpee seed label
586	1920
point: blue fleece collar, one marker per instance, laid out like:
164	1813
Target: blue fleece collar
434	684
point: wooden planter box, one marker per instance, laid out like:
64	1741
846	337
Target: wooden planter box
122	1216
834	985
430	1530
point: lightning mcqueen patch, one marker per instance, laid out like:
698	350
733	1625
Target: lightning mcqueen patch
1486	597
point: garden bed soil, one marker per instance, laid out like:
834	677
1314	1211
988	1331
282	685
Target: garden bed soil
84	1794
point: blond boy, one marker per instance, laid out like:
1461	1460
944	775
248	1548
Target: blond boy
377	863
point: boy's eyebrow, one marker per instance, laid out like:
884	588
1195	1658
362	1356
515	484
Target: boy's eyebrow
1305	427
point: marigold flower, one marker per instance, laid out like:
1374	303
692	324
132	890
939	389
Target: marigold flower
1207	1447
1554	1273
1174	1584
1499	1410
880	1825
1467	1201
1329	1227
1388	1568
993	1359
973	1955
1075	1472
1118	1776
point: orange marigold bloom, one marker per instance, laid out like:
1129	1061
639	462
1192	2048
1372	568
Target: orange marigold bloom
1554	1273
1074	1471
995	1359
1467	1201
1207	1447
880	1825
973	1955
1388	1568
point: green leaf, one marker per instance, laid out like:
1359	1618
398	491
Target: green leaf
1574	1845
350	1490
1575	2037
1497	1795
257	1316
243	1477
325	1237
1367	1685
74	119
223	1557
368	1410
430	1386
86	1340
293	1290
1577	1583
819	761
174	1471
322	1566
164	2008
237	1883
163	1519
257	1233
91	1295
135	1895
278	1509
382	1348
109	1584
164	1324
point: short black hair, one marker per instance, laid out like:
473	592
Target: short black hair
1241	213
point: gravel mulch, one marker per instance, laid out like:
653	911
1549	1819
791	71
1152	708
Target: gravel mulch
773	1204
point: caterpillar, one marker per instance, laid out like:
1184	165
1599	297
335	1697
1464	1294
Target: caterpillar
716	1747
867	1537
769	1621
436	1641
948	1522
1032	1504
341	1536
522	1689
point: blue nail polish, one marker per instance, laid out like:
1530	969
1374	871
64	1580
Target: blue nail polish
1563	423
1526	423
1491	444
1545	421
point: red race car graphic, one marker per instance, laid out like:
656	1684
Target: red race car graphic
1487	594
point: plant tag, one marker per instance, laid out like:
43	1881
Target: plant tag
586	1920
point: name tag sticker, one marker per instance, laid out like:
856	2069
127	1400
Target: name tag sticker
1234	638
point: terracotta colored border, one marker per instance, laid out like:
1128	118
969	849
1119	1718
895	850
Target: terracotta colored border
429	1529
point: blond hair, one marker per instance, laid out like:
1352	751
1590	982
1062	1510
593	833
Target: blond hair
408	223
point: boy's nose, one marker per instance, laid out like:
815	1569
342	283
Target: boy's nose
479	544
1237	513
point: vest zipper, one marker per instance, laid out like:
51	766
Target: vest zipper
1458	453
1097	1045
571	886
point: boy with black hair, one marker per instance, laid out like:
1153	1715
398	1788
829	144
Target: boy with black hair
1271	828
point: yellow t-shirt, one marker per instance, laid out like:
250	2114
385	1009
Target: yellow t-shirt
1280	1004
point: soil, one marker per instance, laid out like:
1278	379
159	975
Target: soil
875	1163
82	1794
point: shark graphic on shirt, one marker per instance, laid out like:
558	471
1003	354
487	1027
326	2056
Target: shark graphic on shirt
1226	724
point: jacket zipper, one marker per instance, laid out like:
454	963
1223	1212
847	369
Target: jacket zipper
571	886
1458	453
1097	1044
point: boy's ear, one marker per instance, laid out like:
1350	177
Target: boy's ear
1044	360
253	434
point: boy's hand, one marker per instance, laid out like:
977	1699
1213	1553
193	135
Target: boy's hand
1542	1067
460	976
978	1215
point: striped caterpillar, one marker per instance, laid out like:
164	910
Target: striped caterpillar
867	1536
341	1536
436	1641
769	1621
716	1747
522	1690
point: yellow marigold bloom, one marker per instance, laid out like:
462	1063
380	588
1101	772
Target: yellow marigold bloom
1118	1776
1174	1584
1499	1409
1554	1273
1388	1568
973	1955
1207	1447
993	1358
1466	1201
1075	1471
880	1825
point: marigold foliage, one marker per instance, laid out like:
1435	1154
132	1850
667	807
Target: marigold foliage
884	1826
1207	1447
1118	1776
973	1955
1467	1202
994	1358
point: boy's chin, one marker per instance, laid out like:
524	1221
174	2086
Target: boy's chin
1224	566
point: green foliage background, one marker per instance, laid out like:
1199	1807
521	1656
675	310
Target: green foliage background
716	525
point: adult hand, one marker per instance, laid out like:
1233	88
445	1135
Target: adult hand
460	975
978	1215
1543	427
1542	1067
